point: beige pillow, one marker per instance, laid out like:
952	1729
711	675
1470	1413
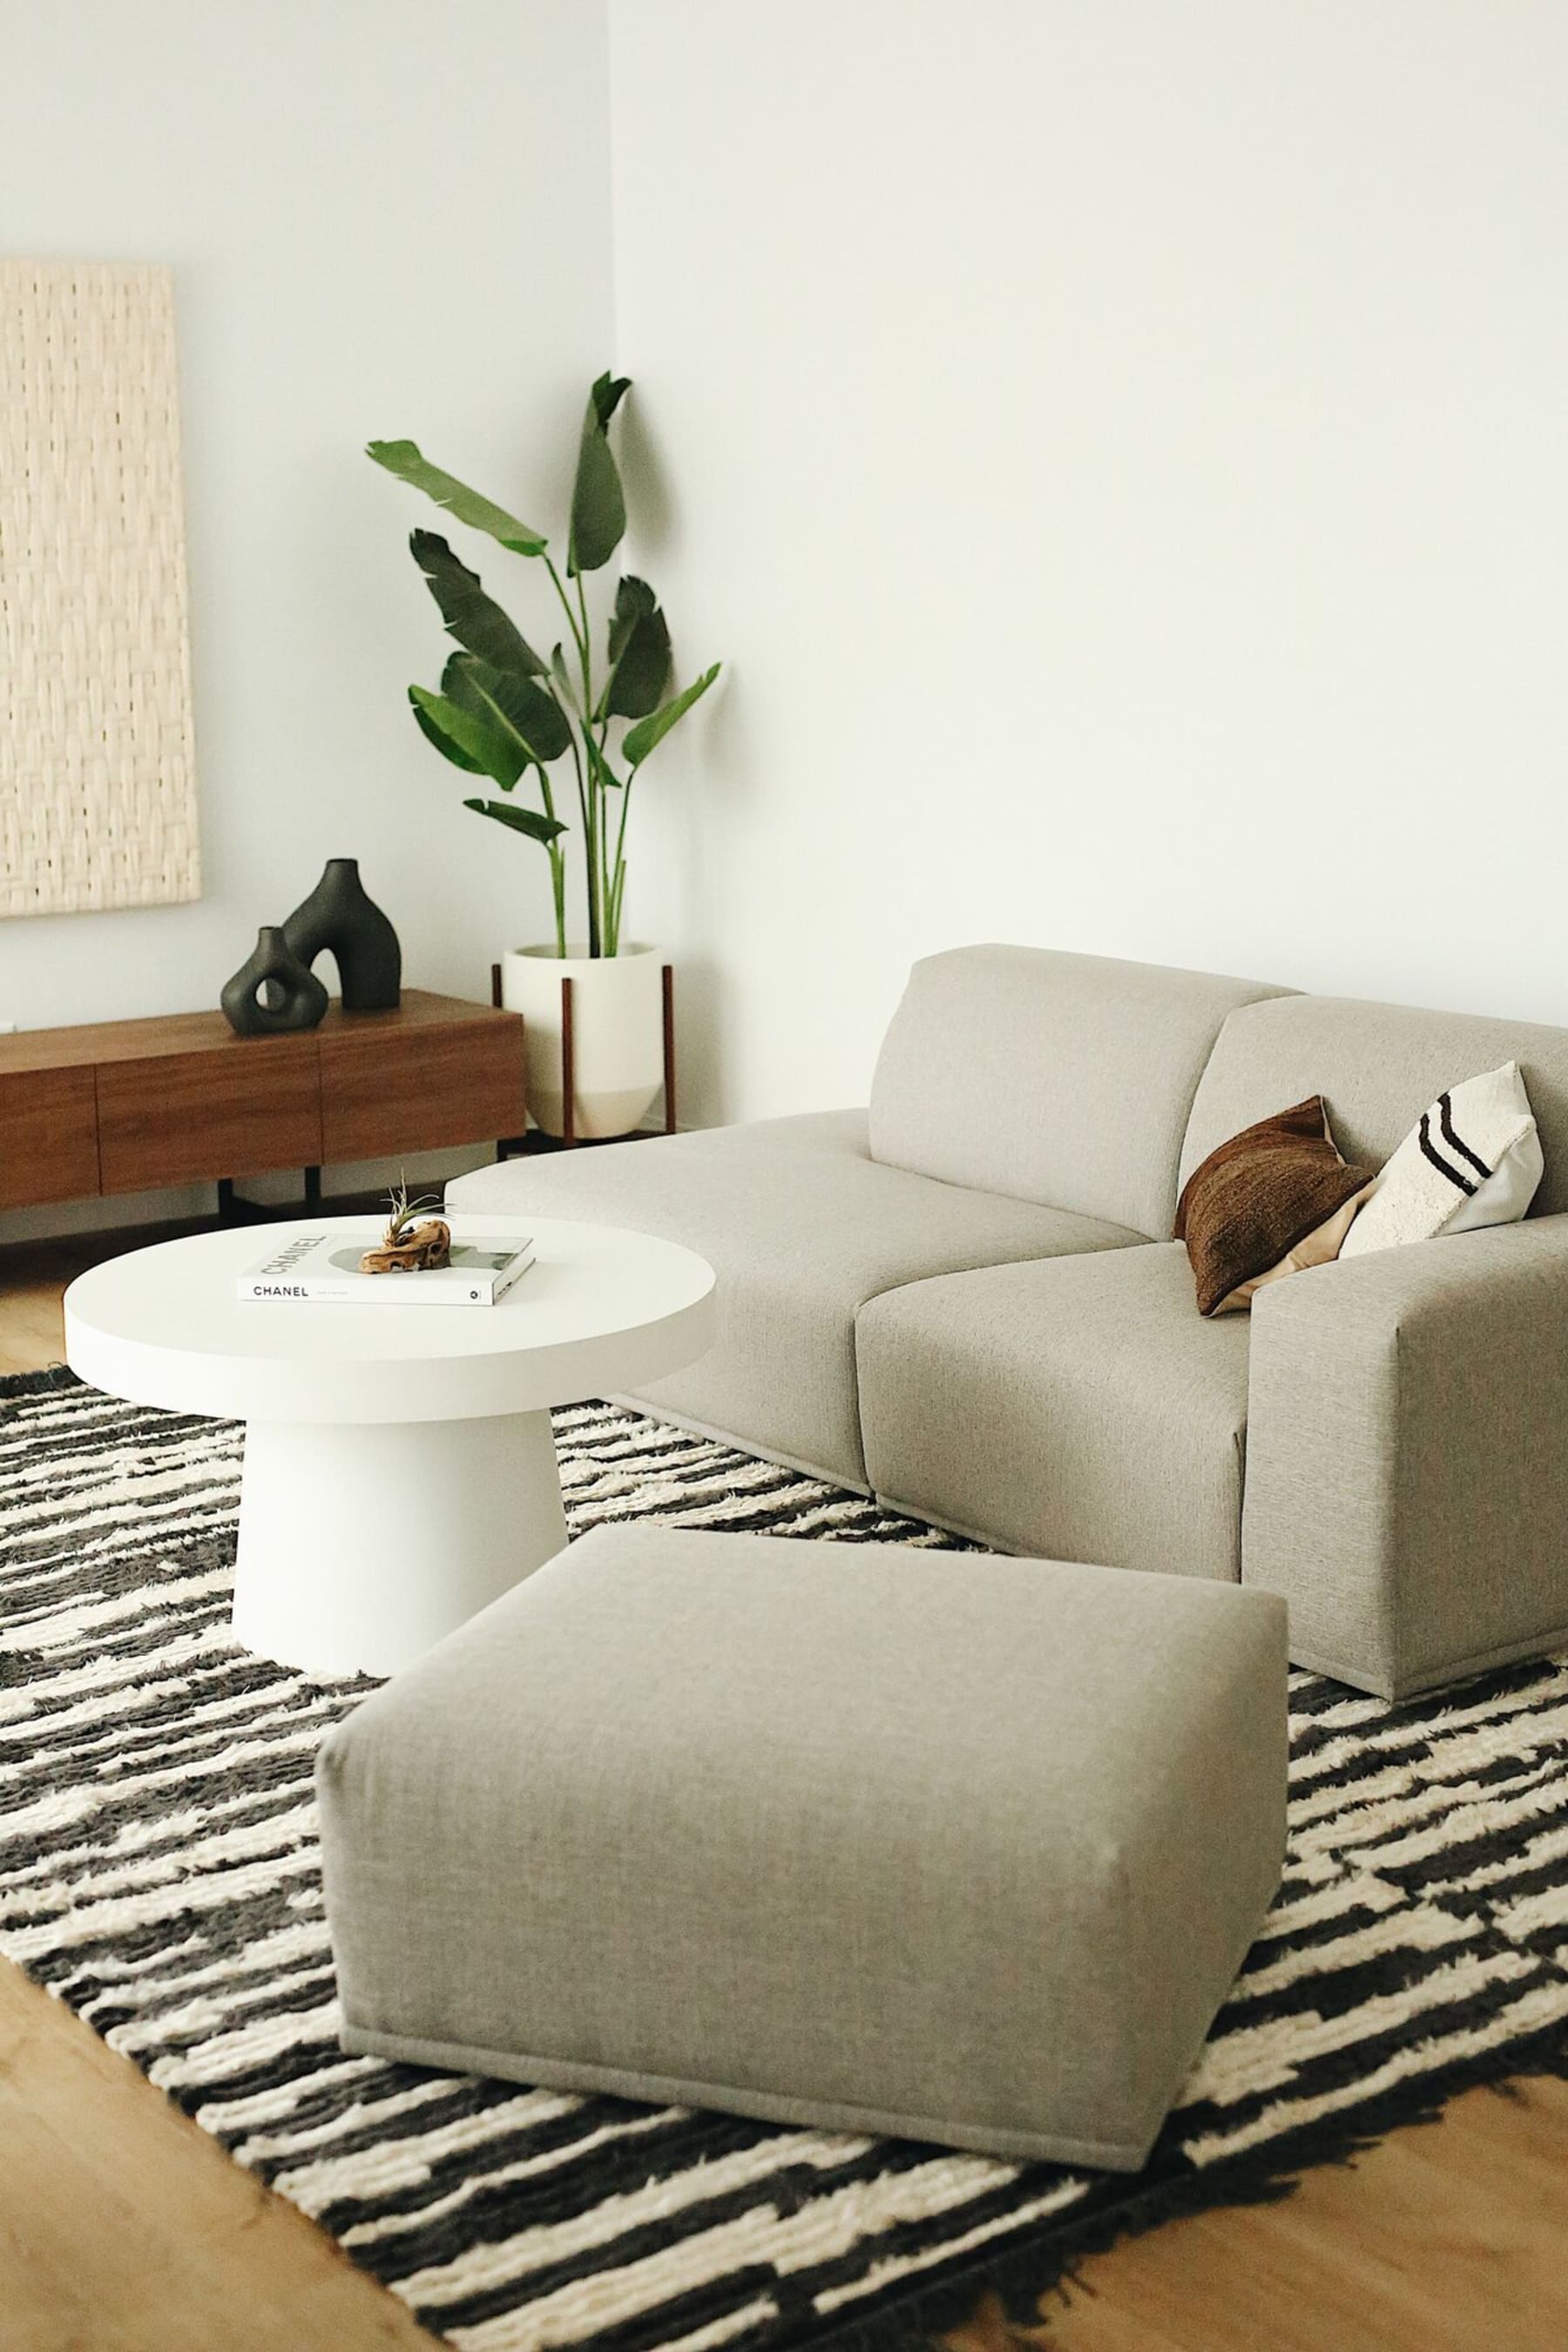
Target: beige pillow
1472	1159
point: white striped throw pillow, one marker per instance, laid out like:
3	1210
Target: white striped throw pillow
1472	1159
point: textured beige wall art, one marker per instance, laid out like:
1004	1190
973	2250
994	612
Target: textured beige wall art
98	792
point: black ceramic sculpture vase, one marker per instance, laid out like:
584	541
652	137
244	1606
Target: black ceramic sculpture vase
272	990
339	916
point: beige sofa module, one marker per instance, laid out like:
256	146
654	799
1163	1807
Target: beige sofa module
801	1225
966	1299
1407	1437
1408	1457
1080	1072
1075	1409
864	1838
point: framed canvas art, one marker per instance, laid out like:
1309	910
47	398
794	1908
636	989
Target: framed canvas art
98	788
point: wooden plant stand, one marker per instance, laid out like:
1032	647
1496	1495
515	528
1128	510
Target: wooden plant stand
570	1138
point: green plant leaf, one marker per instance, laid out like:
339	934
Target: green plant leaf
651	733
474	619
444	743
602	770
487	749
632	596
520	820
598	502
533	715
403	459
642	668
606	393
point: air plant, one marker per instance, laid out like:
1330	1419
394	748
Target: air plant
406	1246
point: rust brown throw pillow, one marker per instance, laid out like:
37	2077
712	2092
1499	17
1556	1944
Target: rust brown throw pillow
1274	1198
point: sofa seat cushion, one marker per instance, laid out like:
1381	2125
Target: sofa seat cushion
850	1837
801	1227
1081	1409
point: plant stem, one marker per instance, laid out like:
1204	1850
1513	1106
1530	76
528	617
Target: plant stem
585	805
595	934
577	639
597	893
618	878
584	650
586	800
557	861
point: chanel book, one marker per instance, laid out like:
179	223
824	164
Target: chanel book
310	1266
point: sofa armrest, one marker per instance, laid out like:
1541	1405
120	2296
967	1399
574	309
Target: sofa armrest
1407	1456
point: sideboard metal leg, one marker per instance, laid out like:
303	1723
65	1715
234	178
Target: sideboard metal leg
225	1200
312	1188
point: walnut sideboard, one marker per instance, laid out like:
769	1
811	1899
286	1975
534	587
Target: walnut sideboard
135	1106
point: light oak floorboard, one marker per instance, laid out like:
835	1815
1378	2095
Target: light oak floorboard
32	1331
123	2228
1450	2237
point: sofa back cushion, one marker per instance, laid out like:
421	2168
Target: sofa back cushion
1064	1079
1377	1067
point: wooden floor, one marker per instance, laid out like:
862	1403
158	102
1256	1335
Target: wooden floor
125	2228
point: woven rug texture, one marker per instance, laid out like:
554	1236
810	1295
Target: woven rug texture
159	1872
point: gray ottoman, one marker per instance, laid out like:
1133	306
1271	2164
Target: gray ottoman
962	1848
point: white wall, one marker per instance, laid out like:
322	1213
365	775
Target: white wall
1120	448
384	219
1117	448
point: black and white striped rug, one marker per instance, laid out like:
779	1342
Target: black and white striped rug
158	1871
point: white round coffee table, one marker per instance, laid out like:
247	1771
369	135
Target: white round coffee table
399	1464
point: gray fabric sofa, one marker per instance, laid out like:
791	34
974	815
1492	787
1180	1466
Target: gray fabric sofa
965	1301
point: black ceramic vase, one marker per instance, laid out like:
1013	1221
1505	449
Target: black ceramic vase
339	916
272	990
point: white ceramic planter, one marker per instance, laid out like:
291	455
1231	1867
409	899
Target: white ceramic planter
617	1033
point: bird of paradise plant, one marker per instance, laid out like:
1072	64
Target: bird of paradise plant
504	712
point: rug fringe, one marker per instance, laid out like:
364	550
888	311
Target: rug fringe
21	1384
1035	2267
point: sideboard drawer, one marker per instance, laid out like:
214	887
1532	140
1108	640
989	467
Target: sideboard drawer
170	1098
48	1136
419	1088
185	1119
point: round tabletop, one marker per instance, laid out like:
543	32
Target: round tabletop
599	1310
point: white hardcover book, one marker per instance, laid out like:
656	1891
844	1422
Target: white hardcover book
312	1267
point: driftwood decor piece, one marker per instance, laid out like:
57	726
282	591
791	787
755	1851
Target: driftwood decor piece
424	1249
406	1247
98	795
